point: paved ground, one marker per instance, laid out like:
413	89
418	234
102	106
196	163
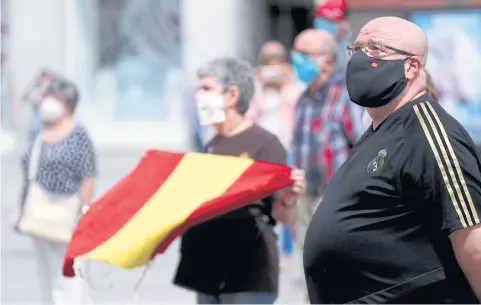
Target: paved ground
18	274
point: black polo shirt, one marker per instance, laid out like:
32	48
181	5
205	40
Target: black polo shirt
380	234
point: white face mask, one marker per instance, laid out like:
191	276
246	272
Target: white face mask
51	110
210	107
270	73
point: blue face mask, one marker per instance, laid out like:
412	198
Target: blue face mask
326	25
306	68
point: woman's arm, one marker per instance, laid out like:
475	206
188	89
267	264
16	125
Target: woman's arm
87	190
285	206
285	209
88	172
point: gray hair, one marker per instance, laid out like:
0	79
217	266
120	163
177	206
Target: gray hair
48	83
276	51
232	72
64	89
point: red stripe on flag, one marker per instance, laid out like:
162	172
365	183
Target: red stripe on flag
268	176
132	192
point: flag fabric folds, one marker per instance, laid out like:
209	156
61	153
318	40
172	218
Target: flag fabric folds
162	197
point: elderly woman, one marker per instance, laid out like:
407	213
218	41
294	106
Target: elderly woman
61	162
233	258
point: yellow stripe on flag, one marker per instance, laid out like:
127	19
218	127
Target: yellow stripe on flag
196	179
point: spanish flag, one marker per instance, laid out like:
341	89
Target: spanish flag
162	197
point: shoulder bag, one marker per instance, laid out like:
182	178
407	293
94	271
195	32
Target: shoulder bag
47	215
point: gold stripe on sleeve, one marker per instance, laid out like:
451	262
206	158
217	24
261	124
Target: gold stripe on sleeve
458	168
440	164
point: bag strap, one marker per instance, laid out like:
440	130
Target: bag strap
34	158
211	143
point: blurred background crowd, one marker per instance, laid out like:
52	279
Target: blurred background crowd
134	61
134	64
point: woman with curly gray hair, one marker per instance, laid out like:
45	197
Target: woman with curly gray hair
233	259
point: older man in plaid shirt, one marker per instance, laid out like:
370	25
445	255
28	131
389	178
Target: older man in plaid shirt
327	123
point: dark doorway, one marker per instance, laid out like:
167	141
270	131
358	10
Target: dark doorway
287	20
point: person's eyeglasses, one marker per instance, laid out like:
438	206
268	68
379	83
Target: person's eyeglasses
375	49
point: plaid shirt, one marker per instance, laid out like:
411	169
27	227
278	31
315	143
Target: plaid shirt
327	125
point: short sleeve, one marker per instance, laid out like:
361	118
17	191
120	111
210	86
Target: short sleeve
88	162
272	151
445	170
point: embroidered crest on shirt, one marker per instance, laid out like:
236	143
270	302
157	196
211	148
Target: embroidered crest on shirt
377	163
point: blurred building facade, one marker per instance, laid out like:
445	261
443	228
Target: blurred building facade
135	60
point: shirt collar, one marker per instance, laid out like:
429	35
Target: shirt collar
426	97
322	90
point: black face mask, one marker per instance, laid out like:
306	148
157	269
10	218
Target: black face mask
373	82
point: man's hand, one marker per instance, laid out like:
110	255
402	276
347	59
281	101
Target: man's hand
299	177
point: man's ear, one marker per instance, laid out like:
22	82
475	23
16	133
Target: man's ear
258	74
413	68
331	59
232	96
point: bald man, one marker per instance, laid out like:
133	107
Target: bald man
327	123
400	221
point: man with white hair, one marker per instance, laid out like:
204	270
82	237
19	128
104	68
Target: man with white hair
400	221
327	123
